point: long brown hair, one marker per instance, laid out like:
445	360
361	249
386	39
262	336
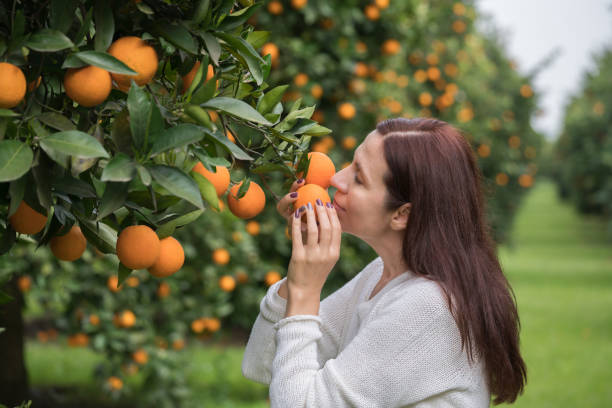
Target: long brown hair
448	240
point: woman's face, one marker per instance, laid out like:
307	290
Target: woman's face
361	191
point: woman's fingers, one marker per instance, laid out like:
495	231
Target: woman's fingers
325	232
312	228
285	204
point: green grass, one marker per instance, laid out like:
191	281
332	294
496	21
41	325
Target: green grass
560	269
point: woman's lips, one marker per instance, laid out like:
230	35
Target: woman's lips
338	207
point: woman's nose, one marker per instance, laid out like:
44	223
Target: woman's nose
338	182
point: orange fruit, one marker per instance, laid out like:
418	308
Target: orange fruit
346	110
236	236
198	326
170	260
272	49
242	277
70	246
221	256
300	79
275	7
272	277
112	284
212	323
126	319
132	281
230	136
26	220
163	290
227	283
298	4
309	194
137	247
349	142
382	4
188	78
320	170
361	69
137	55
220	179
88	86
391	47
24	283
94	320
34	84
13	85
115	383
252	227
316	91
78	340
425	99
140	356
251	204
178	344
372	12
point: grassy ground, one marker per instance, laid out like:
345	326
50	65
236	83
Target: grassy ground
561	272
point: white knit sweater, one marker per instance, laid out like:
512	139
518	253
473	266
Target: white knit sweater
401	348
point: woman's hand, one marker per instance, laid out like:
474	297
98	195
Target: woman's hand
285	205
311	263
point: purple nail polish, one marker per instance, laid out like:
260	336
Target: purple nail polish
297	213
328	205
300	181
319	202
302	208
293	195
309	206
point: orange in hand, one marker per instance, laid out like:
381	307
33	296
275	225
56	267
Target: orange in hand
320	170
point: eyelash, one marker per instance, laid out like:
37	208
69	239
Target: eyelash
356	180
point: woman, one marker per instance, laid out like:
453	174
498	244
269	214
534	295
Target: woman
431	322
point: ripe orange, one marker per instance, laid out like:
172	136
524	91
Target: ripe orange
298	4
170	260
236	236
140	356
252	227
272	49
361	69
88	86
70	246
425	99
320	170
78	340
178	344
275	7
221	256
346	110
94	320
349	142
112	284
34	84
309	194
115	383
242	277
230	136
24	283
316	91
126	319
391	47
382	4
227	283
188	78
163	290
220	179
211	323
372	12
137	55
26	220
272	277
300	79
13	85
251	204
137	247
198	325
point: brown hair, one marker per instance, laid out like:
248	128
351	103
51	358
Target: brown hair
448	240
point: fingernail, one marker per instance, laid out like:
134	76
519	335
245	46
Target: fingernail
303	208
319	202
293	195
328	205
297	213
309	206
300	181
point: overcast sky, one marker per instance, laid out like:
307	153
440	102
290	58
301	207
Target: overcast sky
533	29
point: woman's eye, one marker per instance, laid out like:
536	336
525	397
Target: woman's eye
356	179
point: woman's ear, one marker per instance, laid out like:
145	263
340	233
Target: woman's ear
399	221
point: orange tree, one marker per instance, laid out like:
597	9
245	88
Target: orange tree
361	62
583	153
113	116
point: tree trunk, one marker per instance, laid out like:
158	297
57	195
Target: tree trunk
14	387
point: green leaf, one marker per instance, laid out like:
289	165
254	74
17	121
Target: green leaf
167	229
144	174
7	113
119	168
15	159
258	38
212	45
178	36
270	99
237	108
227	145
56	121
199	115
139	106
113	198
123	271
99	59
47	40
74	143
207	189
177	183
197	79
252	57
62	14
289	121
105	25
201	11
177	136
99	235
73	186
238	18
318	130
266	168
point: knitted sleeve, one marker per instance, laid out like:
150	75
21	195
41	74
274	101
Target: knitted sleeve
261	346
407	352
